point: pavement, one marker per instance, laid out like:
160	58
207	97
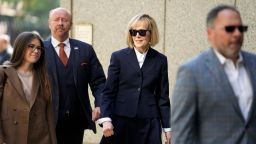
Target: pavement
91	138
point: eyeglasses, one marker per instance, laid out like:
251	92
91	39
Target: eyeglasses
34	48
231	28
141	32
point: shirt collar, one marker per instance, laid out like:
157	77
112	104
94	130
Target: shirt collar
138	54
223	60
55	42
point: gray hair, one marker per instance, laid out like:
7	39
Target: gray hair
62	9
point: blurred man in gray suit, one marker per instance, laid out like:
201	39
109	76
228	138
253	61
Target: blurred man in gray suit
214	99
4	45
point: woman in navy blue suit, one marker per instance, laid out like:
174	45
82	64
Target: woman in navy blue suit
135	104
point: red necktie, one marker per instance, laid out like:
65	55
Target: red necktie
62	54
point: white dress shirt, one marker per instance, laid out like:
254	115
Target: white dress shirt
140	56
55	44
240	82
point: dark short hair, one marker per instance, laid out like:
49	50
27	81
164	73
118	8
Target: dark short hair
213	13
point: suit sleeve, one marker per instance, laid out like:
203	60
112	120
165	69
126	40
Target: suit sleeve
97	77
163	92
111	86
2	81
184	107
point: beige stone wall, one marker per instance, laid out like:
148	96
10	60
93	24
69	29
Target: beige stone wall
109	20
181	24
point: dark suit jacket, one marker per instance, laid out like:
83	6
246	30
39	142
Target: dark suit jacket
86	70
4	57
135	91
205	109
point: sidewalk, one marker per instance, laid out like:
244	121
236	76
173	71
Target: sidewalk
91	138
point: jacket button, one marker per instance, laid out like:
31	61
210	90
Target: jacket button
15	122
246	127
138	89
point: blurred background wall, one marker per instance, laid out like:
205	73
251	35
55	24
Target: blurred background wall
181	25
25	15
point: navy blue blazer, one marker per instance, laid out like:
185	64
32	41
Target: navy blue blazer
134	91
86	70
4	57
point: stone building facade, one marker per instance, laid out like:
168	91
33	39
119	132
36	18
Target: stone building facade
181	25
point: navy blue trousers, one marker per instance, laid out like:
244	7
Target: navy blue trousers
135	131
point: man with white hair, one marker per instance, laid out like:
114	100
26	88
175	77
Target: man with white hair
4	44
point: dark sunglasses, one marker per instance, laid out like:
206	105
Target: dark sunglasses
141	32
34	48
231	28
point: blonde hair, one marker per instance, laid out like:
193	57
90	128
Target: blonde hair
151	26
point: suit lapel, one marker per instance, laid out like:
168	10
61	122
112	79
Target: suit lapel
51	63
15	82
75	60
35	89
148	59
52	72
250	68
132	59
220	75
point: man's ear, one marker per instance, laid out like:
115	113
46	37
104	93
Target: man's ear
209	33
49	24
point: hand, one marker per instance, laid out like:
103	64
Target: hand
108	129
168	137
95	114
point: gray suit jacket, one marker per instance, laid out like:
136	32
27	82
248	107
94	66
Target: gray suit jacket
205	109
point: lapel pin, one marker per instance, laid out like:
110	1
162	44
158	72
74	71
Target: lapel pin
85	63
